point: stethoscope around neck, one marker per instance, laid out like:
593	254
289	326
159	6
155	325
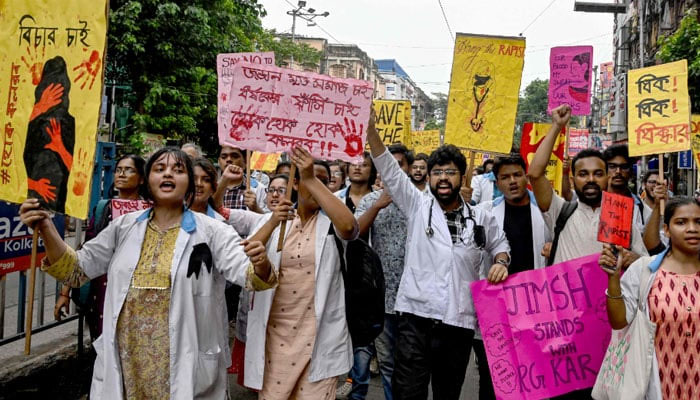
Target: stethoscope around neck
430	232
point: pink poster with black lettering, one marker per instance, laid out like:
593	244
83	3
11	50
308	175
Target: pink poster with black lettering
571	78
545	331
275	109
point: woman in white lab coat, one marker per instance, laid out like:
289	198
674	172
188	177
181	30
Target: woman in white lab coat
166	267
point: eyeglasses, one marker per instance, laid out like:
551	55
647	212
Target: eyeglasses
281	191
124	170
439	172
419	167
621	167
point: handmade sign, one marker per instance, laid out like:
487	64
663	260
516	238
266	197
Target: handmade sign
658	112
275	109
16	246
264	161
578	140
50	95
224	73
484	88
393	121
533	134
425	141
695	136
607	74
615	226
545	331
570	77
121	207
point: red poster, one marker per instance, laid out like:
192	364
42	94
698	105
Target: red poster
615	226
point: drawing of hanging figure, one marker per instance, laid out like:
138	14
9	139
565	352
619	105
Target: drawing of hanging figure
482	81
48	152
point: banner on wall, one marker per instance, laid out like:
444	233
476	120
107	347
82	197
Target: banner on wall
51	63
484	88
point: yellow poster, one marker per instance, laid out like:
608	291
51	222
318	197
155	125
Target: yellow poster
695	137
484	86
425	141
264	161
393	121
533	135
658	112
51	63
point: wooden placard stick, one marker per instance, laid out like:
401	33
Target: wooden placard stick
30	308
470	168
663	177
248	154
288	196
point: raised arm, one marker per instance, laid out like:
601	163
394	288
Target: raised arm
368	209
537	171
230	174
652	236
34	217
341	217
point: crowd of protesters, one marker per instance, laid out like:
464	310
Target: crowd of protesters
167	283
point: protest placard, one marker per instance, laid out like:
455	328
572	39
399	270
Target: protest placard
50	96
578	140
658	110
224	73
570	77
275	109
533	134
484	87
607	74
425	141
695	137
615	225
121	207
16	239
393	121
545	331
264	161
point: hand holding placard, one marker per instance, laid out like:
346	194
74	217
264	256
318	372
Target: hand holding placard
615	225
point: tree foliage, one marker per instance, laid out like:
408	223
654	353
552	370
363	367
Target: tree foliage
532	107
685	44
437	121
166	51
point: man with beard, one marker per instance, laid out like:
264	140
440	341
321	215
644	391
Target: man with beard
519	217
446	240
578	237
419	172
650	180
232	191
619	167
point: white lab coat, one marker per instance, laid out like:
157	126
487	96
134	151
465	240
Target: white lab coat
332	349
482	187
540	230
437	273
197	335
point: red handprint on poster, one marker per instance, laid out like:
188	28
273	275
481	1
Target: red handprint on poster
89	69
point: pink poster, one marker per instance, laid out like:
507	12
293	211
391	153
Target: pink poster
578	140
570	78
121	207
224	73
545	331
275	109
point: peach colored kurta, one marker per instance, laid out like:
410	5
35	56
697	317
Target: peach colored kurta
291	329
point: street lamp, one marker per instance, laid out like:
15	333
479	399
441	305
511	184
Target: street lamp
308	15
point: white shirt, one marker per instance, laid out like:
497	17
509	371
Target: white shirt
437	273
197	341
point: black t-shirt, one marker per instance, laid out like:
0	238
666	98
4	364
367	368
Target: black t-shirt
517	225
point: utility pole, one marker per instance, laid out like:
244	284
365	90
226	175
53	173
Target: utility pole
308	15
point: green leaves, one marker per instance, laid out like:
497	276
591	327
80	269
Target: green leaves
685	44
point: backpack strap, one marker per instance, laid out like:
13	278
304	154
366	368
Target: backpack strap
339	245
566	211
640	205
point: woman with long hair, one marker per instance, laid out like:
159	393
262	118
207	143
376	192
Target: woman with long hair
162	332
671	301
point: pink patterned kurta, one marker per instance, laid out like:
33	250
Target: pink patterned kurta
674	304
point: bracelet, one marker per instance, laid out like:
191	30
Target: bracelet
620	297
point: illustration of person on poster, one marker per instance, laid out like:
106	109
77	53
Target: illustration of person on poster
48	153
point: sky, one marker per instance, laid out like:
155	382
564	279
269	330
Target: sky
414	32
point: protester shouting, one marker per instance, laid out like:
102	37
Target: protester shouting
446	241
166	267
670	301
298	339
